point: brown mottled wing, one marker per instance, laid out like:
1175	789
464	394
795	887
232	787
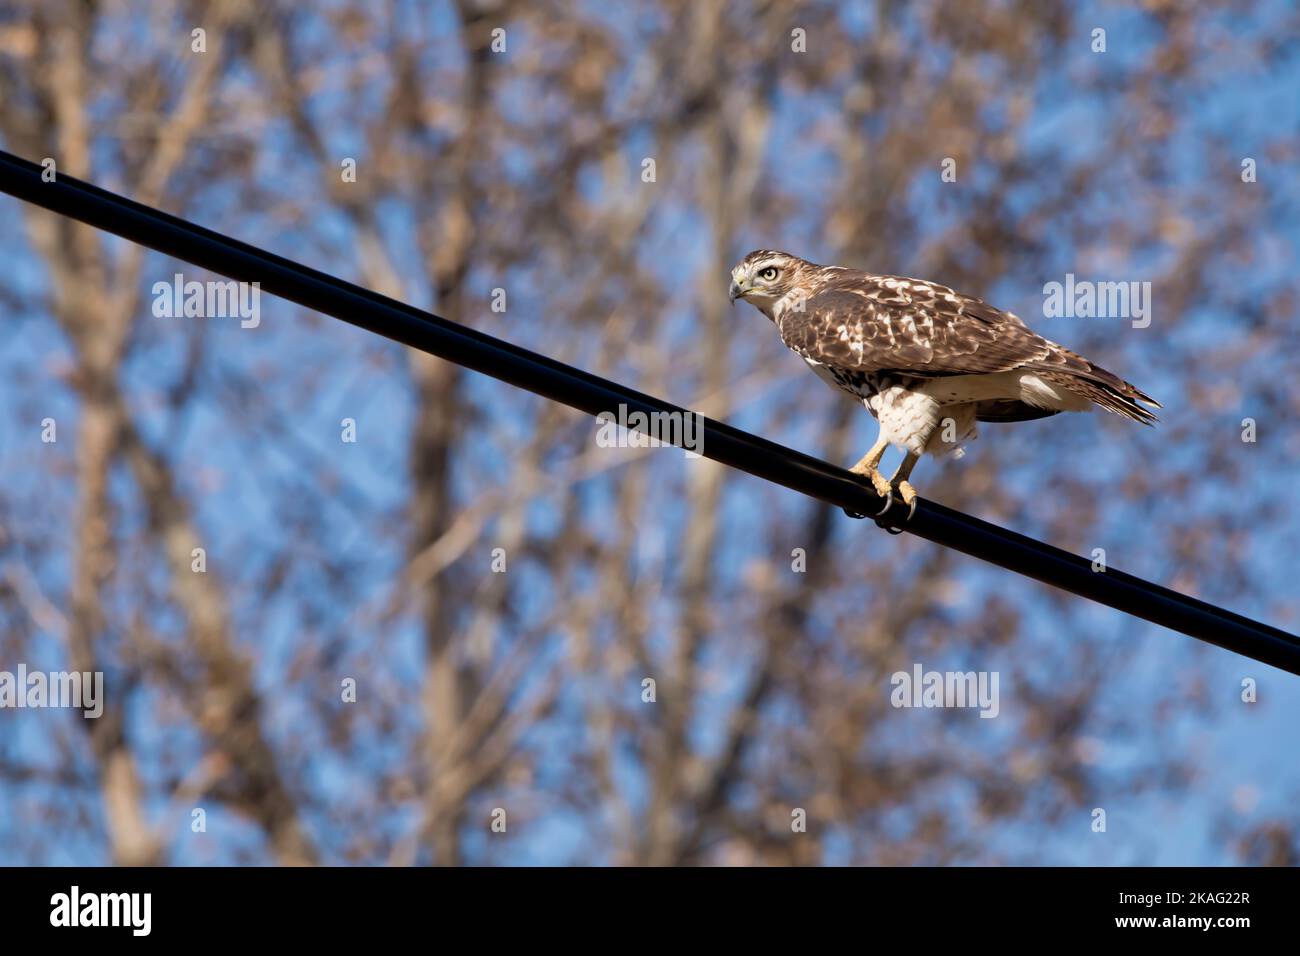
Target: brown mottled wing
867	323
864	324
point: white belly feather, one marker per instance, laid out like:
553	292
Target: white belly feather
915	422
936	417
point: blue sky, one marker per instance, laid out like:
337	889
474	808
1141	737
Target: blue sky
241	477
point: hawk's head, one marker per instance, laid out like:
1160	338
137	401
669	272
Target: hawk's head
764	276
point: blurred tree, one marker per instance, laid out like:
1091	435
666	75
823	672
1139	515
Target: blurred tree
500	153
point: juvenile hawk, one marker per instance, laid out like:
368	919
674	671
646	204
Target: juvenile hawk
927	362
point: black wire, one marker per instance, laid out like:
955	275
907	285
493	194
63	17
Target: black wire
562	383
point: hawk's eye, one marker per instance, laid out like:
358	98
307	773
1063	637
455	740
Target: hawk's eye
768	274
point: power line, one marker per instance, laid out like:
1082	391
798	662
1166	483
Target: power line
562	383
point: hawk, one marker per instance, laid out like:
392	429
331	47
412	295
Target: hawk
927	362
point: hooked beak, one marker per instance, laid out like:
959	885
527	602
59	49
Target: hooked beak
737	290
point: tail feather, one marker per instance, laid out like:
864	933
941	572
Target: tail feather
1107	390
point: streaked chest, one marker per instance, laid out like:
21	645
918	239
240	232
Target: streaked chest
861	385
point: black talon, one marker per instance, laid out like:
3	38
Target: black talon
889	503
889	527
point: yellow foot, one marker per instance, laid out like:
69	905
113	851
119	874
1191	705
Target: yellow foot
878	481
907	492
